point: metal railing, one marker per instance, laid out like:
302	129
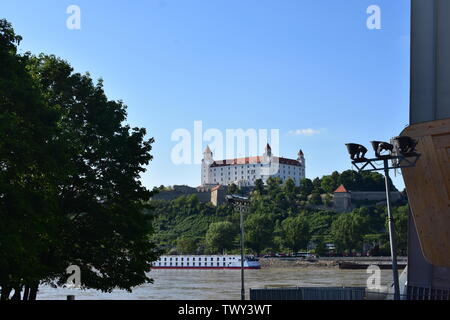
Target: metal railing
309	293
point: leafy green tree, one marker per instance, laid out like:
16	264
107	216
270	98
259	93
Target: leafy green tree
347	232
374	218
400	215
102	196
317	183
274	186
330	183
72	169
295	233
259	230
233	189
319	222
306	186
289	187
365	181
259	186
328	200
187	245
315	198
31	164
220	237
321	248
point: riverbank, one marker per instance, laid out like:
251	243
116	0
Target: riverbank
325	262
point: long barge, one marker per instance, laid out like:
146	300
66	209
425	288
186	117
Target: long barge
205	262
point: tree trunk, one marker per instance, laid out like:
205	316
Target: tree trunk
17	292
26	293
33	292
5	293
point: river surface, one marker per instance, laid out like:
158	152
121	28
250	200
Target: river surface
220	284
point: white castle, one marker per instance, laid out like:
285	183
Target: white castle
245	171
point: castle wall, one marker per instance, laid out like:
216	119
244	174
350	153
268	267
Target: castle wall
375	196
343	201
180	191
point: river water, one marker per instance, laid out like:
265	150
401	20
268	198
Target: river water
220	284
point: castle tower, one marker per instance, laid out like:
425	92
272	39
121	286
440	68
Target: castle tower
266	171
207	161
267	154
301	159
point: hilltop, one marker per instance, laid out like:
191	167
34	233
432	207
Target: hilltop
282	218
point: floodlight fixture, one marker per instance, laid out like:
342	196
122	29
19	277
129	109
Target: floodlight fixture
380	146
356	151
402	154
405	146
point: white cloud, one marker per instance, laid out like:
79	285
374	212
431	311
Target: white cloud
303	132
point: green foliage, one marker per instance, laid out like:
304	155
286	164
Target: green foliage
347	231
233	189
220	237
259	186
295	233
259	230
400	215
330	183
31	165
320	248
319	222
187	245
364	181
315	198
70	190
306	186
328	200
317	185
271	223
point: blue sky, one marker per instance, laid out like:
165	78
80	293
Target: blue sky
252	64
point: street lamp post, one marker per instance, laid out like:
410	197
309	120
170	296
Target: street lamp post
392	239
241	204
402	154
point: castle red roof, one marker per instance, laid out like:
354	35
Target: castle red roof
253	160
341	189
